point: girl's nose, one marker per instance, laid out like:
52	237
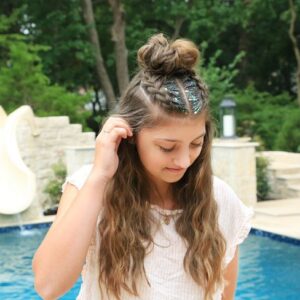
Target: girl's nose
183	160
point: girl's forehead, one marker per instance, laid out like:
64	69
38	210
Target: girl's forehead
177	128
175	122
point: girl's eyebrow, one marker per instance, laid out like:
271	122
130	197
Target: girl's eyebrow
172	140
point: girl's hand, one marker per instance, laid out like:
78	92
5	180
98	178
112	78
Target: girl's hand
107	143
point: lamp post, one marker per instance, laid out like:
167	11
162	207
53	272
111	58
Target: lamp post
227	118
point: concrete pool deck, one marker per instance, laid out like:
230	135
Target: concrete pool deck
276	216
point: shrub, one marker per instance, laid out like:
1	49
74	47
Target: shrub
263	187
288	138
53	188
261	115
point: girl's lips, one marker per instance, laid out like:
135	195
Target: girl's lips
174	170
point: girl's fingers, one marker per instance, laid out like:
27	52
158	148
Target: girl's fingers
114	122
107	144
113	137
117	133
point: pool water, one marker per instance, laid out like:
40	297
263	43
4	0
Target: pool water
269	269
16	251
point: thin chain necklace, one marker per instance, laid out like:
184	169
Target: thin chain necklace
166	216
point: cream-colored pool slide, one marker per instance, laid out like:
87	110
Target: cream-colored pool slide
17	181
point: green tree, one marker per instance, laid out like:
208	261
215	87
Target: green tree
22	80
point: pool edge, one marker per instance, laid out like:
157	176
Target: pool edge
253	231
275	236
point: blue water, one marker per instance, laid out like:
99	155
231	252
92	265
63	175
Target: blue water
16	252
269	270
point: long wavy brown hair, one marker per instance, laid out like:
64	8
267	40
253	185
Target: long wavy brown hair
126	222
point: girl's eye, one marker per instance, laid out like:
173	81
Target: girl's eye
166	149
197	145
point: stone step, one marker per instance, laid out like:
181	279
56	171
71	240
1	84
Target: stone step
89	135
87	138
295	187
284	169
282	156
55	121
290	179
277	208
294	190
75	128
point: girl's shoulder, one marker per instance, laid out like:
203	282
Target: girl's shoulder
79	177
225	196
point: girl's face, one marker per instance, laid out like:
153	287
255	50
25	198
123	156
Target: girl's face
166	151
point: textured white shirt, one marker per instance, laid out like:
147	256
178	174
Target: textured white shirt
164	261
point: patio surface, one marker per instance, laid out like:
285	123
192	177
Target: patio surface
278	216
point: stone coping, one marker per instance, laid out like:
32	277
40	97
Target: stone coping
275	236
254	231
79	147
234	143
15	223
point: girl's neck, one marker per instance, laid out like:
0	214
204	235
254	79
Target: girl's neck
163	197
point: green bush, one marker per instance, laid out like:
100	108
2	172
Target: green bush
219	79
53	188
261	115
288	138
263	187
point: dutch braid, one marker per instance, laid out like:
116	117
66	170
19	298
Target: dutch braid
153	87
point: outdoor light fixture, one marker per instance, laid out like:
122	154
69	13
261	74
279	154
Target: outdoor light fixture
227	118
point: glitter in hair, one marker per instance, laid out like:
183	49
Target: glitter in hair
192	94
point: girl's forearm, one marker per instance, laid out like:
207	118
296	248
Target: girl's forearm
59	260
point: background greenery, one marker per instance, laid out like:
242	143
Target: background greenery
46	57
53	188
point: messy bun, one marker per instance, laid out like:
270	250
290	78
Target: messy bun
161	57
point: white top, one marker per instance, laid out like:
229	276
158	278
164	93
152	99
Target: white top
164	263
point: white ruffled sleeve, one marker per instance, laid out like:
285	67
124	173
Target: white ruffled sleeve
234	217
79	177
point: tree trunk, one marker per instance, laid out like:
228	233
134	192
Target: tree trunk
243	45
102	74
118	36
178	24
295	44
180	20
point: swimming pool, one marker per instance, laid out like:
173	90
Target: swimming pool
269	269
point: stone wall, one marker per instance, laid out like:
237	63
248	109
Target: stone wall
234	161
41	152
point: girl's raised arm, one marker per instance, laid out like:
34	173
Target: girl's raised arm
59	259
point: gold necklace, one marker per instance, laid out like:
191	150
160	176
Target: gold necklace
166	217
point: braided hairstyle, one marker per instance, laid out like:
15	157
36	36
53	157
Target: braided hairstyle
166	85
168	77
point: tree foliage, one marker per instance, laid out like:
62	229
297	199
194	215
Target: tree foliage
23	81
245	44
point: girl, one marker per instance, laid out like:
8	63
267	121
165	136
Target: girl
148	220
